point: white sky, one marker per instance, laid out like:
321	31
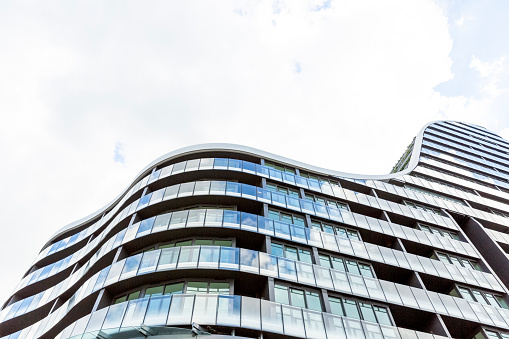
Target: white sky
91	92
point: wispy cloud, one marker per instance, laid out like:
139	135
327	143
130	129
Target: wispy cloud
324	5
118	153
189	73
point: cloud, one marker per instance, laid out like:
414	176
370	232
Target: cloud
118	153
79	77
488	107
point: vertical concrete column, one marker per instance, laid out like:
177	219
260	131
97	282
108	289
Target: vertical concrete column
325	298
270	294
265	210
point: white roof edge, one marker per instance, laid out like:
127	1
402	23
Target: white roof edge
414	160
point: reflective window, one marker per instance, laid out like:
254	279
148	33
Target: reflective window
438	231
360	310
435	195
197	241
333	229
282	189
297	297
280	167
204	287
291	252
286	217
457	261
486	298
130	296
327	202
175	288
346	265
492	335
423	208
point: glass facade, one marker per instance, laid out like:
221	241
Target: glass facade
232	241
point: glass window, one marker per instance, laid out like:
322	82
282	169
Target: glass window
196	287
156	290
352	267
288	218
120	300
351	310
313	301
204	242
277	250
366	270
289	252
176	288
382	315
336	306
367	312
458	261
223	243
134	295
281	294
297	297
305	255
220	288
325	261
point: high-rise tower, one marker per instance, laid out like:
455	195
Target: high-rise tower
223	239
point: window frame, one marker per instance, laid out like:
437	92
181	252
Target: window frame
306	291
474	294
326	201
292	215
473	264
293	246
438	231
142	291
358	303
334	229
422	207
277	188
344	262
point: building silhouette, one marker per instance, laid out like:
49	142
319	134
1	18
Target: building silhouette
218	240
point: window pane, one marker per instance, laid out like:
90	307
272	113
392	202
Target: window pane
277	250
297	297
305	256
196	287
382	315
286	218
336	307
324	261
176	288
184	243
291	253
221	288
120	300
134	295
299	221
367	312
227	243
366	270
203	242
281	294
157	290
338	264
313	300
351	310
352	267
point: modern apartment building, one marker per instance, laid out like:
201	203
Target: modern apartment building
224	240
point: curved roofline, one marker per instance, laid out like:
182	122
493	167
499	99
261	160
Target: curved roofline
414	160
